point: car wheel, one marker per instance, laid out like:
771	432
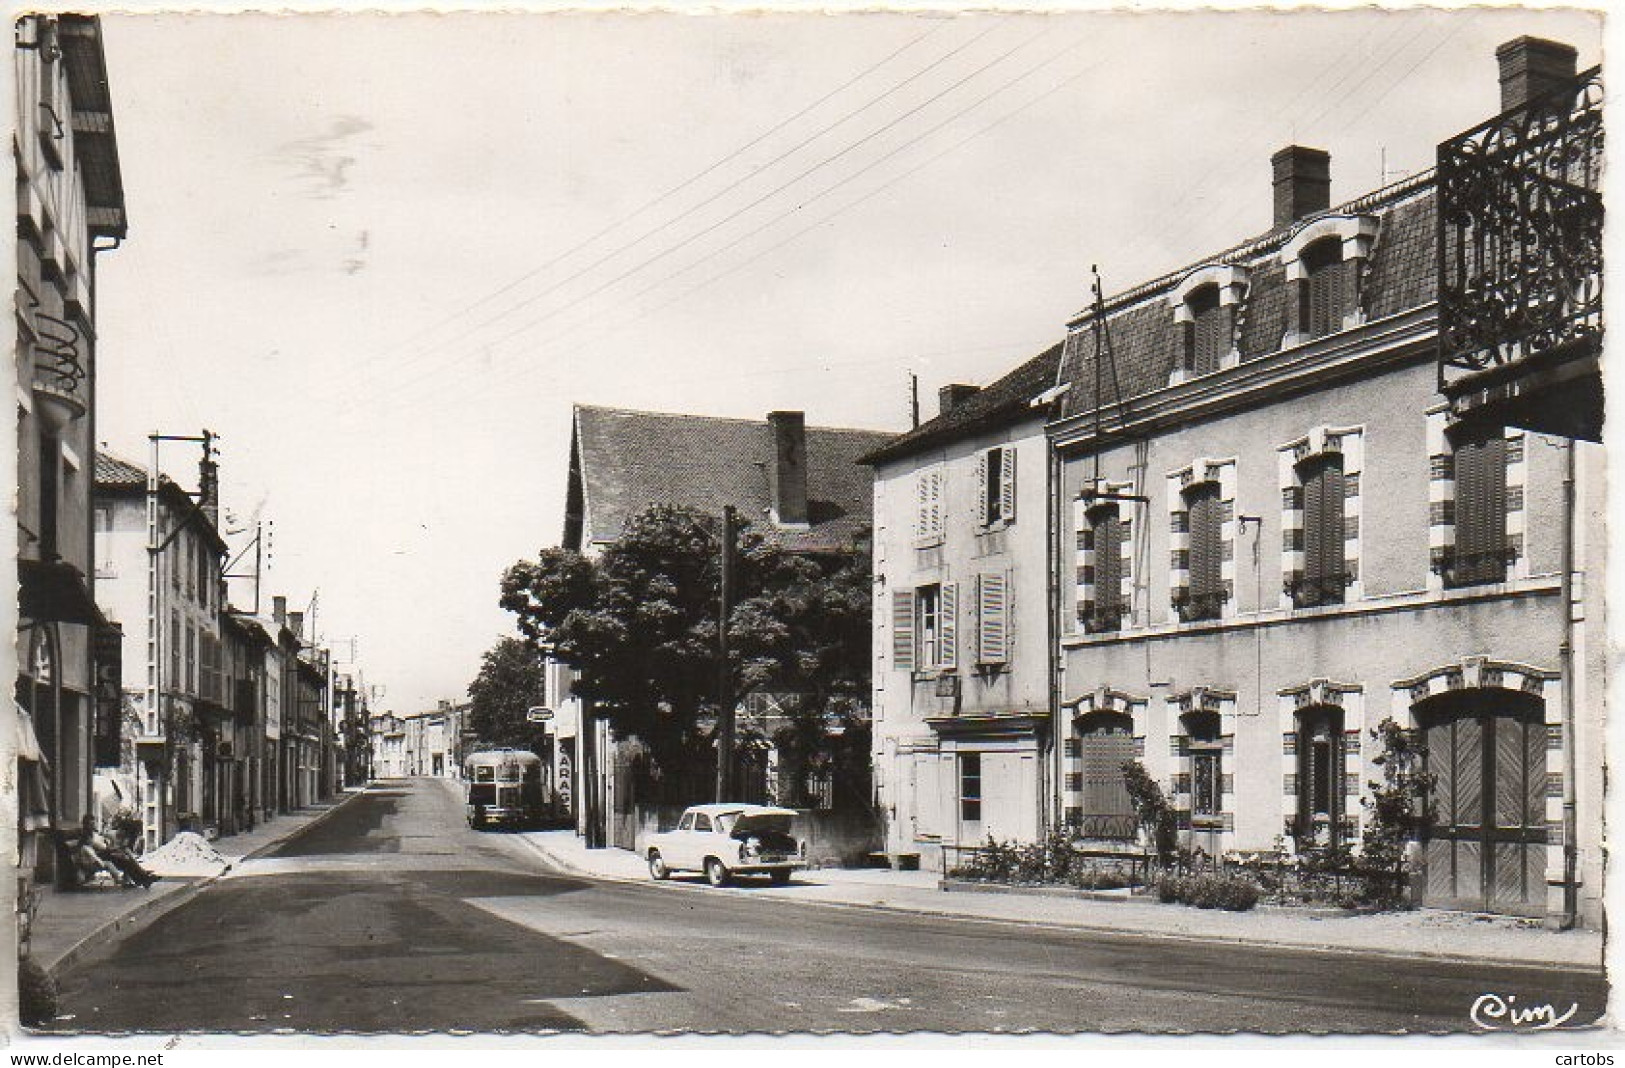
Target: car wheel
780	876
715	873
657	866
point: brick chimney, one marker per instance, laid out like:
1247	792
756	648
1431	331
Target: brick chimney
952	396
1532	67
279	610
296	623
1303	183
208	490
788	475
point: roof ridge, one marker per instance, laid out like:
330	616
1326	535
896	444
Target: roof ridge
721	419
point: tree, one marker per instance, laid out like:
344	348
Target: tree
511	680
638	623
1395	804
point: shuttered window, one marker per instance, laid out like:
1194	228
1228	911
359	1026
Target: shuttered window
1323	559
992	619
970	787
1481	509
1208	344
996	477
1320	776
902	629
1323	309
1206	551
928	505
947	650
1107	532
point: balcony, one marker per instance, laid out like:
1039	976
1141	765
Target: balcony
1317	591
1520	265
59	369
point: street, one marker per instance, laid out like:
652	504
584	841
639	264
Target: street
392	916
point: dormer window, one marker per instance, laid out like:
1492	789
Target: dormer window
1325	264
1205	306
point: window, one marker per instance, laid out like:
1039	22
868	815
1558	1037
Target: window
50	452
1207	592
1482	551
970	787
1207	768
1323	304
1208	344
191	564
928	507
1105	611
191	659
996	477
104	541
1320	776
175	652
1325	574
992	618
702	822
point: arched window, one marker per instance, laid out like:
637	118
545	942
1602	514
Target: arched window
1208	342
1324	303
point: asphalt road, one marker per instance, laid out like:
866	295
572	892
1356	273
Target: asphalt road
391	915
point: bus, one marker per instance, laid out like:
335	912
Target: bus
505	788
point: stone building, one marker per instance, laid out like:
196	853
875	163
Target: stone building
70	207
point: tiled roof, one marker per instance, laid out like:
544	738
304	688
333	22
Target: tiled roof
630	461
114	472
1006	400
1401	275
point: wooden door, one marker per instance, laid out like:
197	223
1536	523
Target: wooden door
1106	743
1486	840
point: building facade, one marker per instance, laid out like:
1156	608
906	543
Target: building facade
388	733
70	207
961	704
1278	534
168	598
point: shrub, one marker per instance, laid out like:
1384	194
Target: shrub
1031	862
1234	893
36	994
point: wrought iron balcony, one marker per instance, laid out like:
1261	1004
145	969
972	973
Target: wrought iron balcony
1473	569
1103	618
1314	591
1520	224
1196	607
59	368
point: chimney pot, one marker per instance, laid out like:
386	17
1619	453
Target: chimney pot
296	623
1532	67
789	471
208	485
953	395
1303	183
279	609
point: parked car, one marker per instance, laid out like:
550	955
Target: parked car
725	840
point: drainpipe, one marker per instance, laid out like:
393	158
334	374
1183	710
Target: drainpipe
1565	653
1051	798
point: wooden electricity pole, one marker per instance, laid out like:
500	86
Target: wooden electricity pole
725	702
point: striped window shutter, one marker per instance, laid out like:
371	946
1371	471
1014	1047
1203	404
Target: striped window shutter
992	619
1207	344
1007	484
948	626
902	629
922	504
1108	560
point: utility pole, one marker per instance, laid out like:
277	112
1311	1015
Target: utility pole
913	400
725	702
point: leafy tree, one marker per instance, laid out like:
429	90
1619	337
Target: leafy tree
1151	808
511	680
1394	804
638	623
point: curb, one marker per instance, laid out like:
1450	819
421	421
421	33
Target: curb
149	911
1167	936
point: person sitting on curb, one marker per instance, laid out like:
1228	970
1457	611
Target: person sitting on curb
93	851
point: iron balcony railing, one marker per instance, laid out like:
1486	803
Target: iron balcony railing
1520	237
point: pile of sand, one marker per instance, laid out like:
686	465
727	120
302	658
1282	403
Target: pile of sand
186	855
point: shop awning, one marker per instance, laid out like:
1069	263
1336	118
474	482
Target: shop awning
54	591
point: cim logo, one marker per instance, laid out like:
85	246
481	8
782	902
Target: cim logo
1494	1012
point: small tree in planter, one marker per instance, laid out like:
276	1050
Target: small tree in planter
1158	827
1396	805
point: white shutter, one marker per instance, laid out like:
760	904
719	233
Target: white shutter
902	629
992	619
937	503
948	626
1007	484
922	505
986	518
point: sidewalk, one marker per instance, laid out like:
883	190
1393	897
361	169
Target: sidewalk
1421	933
70	923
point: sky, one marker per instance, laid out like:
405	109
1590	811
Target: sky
382	255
